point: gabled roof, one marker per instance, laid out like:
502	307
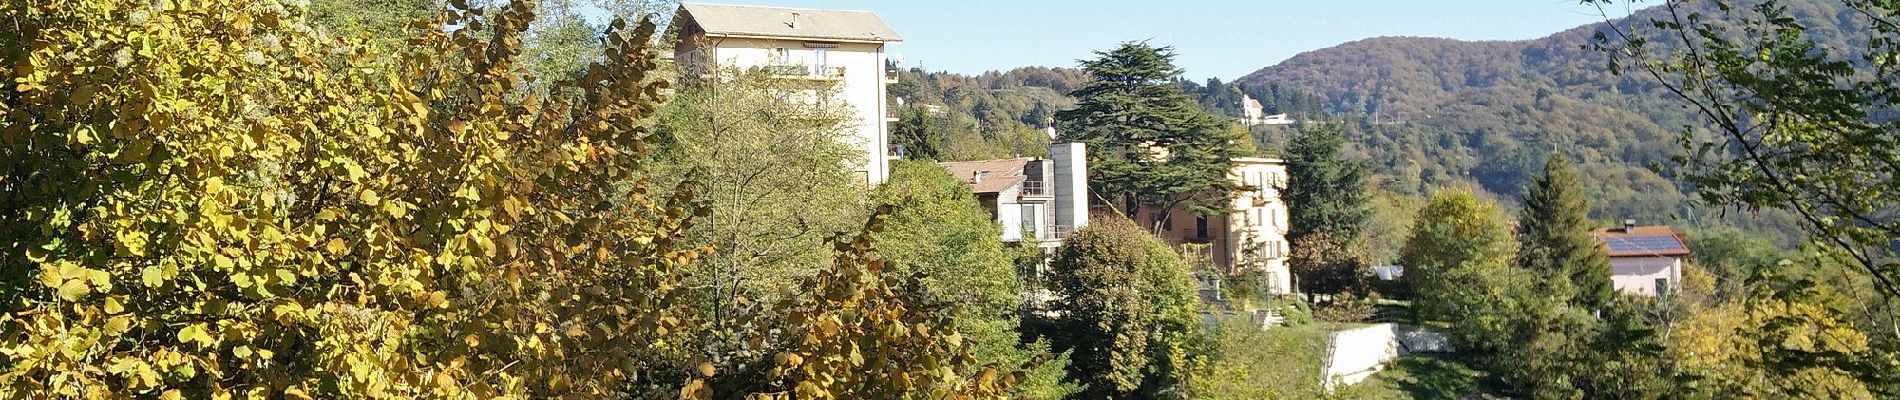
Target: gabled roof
1642	241
998	175
775	22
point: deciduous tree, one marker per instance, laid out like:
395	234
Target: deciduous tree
1126	310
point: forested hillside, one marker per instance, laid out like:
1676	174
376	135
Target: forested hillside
1432	111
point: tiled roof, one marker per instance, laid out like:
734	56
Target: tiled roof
719	19
998	174
1642	241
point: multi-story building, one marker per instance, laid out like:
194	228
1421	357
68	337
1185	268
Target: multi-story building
1644	260
1036	200
845	50
1252	235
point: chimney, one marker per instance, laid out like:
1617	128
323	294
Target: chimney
794	20
1629	225
978	176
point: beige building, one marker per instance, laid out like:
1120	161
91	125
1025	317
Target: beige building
843	50
1644	260
1253	235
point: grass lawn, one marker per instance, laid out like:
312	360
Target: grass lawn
1424	377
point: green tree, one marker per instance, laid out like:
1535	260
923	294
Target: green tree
1458	252
950	253
1325	191
754	153
1555	239
1125	308
1149	144
1327	209
921	139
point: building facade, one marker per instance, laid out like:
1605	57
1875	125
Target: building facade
1644	260
1252	235
1036	200
843	50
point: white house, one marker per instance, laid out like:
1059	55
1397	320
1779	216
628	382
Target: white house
1644	260
1036	200
1251	112
843	49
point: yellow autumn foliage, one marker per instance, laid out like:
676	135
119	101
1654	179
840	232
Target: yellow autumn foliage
205	199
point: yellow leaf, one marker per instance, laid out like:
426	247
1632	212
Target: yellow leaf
114	306
369	197
337	247
74	289
118	325
195	333
214	185
172	394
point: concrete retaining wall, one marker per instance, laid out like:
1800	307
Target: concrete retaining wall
1355	354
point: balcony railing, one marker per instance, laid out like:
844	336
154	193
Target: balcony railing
890	75
804	71
1035	188
1052	233
788	70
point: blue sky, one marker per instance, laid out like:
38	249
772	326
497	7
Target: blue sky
1222	38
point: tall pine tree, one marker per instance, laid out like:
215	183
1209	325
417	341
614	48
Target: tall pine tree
1151	148
1325	191
1556	241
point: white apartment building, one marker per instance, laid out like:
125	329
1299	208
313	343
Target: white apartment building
845	50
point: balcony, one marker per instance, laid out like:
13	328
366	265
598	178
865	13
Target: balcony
890	115
1052	233
800	71
890	75
1035	188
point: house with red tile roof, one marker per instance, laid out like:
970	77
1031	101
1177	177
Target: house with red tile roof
1644	260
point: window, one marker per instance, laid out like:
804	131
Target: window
1662	286
781	56
1260	191
1200	226
819	59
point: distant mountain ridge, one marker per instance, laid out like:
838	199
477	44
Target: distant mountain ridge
1438	111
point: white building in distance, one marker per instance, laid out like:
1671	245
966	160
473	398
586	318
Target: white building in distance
843	49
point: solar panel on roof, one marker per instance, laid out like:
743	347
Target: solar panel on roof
1645	243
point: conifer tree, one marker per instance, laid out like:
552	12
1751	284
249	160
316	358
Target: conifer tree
1324	191
1554	233
1151	148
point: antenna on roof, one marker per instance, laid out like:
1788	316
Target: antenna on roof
794	20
